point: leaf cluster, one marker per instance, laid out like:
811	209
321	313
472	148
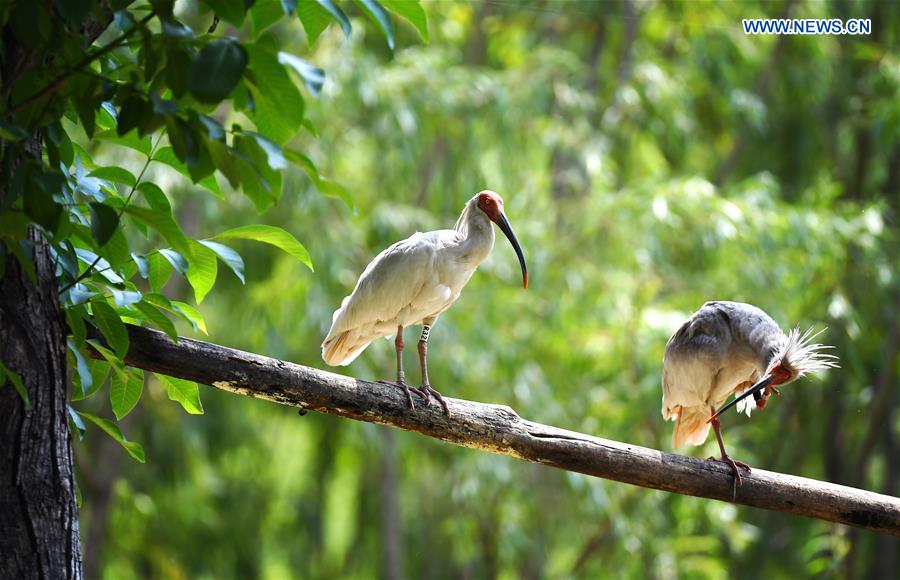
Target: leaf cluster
205	91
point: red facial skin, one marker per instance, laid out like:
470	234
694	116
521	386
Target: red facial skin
491	204
780	376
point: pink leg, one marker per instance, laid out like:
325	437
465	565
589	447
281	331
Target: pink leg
401	383
725	457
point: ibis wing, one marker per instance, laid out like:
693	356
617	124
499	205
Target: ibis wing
388	285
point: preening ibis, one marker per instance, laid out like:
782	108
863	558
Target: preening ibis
730	348
413	282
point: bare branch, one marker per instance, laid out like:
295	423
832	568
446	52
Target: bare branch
498	429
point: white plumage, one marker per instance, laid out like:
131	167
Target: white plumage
729	348
415	280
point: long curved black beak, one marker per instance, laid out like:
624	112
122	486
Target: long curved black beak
503	224
753	391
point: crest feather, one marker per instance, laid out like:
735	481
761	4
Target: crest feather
799	355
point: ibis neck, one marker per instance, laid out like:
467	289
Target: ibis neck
476	233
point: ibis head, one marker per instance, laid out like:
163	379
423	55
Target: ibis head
492	205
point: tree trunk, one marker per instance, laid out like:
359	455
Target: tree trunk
38	514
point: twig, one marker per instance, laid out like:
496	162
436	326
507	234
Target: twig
64	75
137	182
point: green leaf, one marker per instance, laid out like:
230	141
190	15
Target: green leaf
157	318
274	155
116	174
111	326
314	18
163	222
84	379
279	104
104	221
131	140
115	363
16	380
167	155
191	314
264	15
229	256
312	76
101	267
99	371
75	320
155	196
270	235
133	449
116	249
76	420
124	298
216	70
260	183
125	392
159	270
377	12
176	259
337	14
185	392
143	265
229	10
203	270
412	11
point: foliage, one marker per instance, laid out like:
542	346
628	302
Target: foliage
645	173
651	157
204	91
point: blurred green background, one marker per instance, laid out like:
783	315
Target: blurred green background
652	157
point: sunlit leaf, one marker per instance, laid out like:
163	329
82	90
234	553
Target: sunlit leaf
269	235
337	14
158	319
111	429
229	256
203	270
312	76
116	174
125	392
412	11
192	315
381	17
185	392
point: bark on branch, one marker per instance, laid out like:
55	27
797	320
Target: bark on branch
498	429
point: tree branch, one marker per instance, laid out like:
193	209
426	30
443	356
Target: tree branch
498	429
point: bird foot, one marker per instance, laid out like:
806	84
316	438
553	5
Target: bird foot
734	465
426	391
407	390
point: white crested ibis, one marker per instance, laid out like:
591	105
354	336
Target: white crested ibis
730	348
413	282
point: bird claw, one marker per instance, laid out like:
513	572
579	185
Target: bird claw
734	465
427	391
406	389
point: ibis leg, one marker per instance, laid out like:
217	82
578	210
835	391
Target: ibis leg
426	389
725	457
401	383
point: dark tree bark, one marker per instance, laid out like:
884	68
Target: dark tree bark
38	514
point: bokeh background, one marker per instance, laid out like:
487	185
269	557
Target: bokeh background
652	157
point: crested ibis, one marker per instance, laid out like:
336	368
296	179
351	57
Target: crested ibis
412	282
730	348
